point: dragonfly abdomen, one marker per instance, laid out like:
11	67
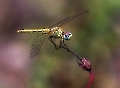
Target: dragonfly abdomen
45	31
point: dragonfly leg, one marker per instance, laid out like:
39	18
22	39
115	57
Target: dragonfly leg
67	48
51	39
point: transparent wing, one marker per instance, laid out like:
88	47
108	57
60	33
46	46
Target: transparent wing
37	44
49	47
39	39
67	20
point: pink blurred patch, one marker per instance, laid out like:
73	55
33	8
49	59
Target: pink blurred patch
14	65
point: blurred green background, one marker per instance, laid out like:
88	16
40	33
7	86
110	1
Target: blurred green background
95	35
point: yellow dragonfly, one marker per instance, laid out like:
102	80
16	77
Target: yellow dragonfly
48	35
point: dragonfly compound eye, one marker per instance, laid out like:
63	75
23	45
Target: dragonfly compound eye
67	35
70	34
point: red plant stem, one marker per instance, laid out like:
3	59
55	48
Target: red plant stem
90	79
91	74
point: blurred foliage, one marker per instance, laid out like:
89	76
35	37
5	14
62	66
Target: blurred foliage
95	35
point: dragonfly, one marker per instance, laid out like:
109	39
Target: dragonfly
48	36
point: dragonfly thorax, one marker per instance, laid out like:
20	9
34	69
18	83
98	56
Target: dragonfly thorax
67	35
57	32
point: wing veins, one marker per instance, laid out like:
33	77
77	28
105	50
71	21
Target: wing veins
37	44
67	20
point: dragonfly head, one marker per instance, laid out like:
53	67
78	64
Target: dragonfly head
67	35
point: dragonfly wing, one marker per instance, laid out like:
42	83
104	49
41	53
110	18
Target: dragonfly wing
37	44
49	47
60	23
67	20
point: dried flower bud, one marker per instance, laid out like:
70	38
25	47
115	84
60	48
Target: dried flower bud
84	64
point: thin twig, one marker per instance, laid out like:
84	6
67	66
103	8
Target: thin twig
69	50
83	63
